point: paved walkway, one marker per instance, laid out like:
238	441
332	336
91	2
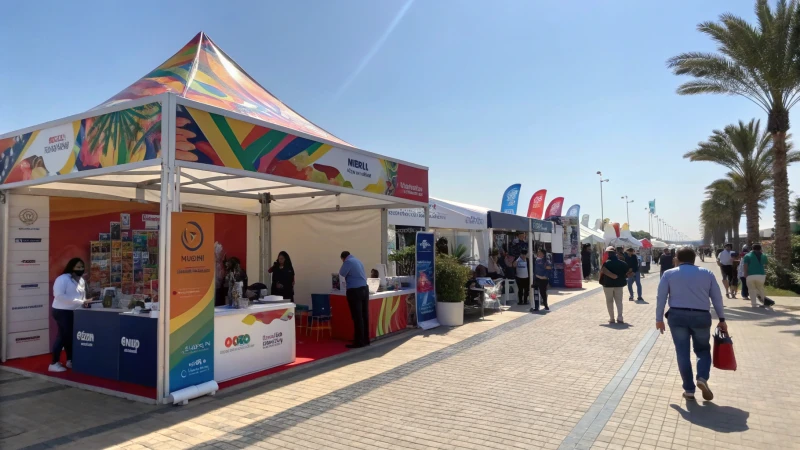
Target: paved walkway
565	379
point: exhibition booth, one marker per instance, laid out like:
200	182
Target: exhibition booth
171	192
459	224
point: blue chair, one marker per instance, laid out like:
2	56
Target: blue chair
320	315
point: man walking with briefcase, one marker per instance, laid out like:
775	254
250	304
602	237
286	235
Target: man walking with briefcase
688	288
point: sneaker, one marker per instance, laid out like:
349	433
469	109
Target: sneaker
69	364
620	321
630	299
688	395
703	386
612	321
57	367
640	299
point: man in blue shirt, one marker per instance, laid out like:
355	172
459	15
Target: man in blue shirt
633	266
357	298
688	289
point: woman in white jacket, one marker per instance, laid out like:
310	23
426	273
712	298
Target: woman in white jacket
69	294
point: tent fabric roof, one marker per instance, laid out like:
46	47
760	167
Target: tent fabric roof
590	236
443	214
202	72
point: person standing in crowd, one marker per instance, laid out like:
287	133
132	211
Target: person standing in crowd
687	289
541	272
740	274
725	262
665	261
523	277
69	294
283	277
612	278
632	260
518	244
734	282
595	260
355	277
586	260
755	264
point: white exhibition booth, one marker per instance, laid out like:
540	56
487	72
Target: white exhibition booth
459	223
302	190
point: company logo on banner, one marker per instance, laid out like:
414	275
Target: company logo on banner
573	272
652	206
191	315
426	282
585	220
28	216
510	199
536	205
554	209
574	211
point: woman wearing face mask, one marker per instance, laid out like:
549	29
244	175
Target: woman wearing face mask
69	294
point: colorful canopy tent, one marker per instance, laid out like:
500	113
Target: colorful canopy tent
646	243
199	133
658	244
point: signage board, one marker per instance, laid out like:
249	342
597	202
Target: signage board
191	312
28	343
426	281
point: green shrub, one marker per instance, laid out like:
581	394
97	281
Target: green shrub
786	277
405	260
451	279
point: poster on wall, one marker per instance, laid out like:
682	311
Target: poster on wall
191	314
573	273
426	282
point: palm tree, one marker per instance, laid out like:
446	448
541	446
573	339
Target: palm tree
725	193
747	153
715	218
759	63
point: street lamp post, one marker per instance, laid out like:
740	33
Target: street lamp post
602	212
627	212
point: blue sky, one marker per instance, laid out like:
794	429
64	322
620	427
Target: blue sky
486	94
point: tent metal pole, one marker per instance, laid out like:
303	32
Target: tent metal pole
427	218
385	236
4	200
265	247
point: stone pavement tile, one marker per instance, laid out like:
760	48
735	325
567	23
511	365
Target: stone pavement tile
754	407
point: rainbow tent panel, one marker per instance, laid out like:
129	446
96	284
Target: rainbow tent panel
202	72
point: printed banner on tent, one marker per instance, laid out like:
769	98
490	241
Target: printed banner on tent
191	313
652	206
217	140
585	220
574	211
426	282
554	209
122	137
510	199
536	206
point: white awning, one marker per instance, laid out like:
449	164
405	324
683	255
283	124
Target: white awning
443	214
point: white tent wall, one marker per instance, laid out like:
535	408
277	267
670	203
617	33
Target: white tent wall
315	241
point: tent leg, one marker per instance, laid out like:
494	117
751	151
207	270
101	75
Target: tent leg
385	237
265	239
4	274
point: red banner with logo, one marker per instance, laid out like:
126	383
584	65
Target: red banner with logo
536	206
554	209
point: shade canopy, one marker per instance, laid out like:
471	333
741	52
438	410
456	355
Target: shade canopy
590	236
443	214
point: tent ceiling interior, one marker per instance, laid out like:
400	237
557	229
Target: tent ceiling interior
207	190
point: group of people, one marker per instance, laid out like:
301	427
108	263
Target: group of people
621	268
747	267
517	268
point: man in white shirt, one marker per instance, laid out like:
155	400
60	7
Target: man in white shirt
725	262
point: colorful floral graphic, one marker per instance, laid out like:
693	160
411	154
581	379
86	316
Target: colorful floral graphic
201	71
121	137
207	138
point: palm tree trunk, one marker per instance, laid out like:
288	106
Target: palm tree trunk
737	223
751	211
782	244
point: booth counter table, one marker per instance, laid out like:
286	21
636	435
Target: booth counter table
387	313
112	344
252	339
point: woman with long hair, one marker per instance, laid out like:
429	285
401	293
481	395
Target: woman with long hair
283	277
69	294
586	260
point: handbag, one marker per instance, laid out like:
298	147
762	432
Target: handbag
723	356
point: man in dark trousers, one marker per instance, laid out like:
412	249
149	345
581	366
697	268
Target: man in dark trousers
666	262
357	298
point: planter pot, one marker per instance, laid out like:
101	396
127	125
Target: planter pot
450	314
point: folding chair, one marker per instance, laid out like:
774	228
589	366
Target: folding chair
320	315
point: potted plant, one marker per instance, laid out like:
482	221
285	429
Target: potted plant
451	280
